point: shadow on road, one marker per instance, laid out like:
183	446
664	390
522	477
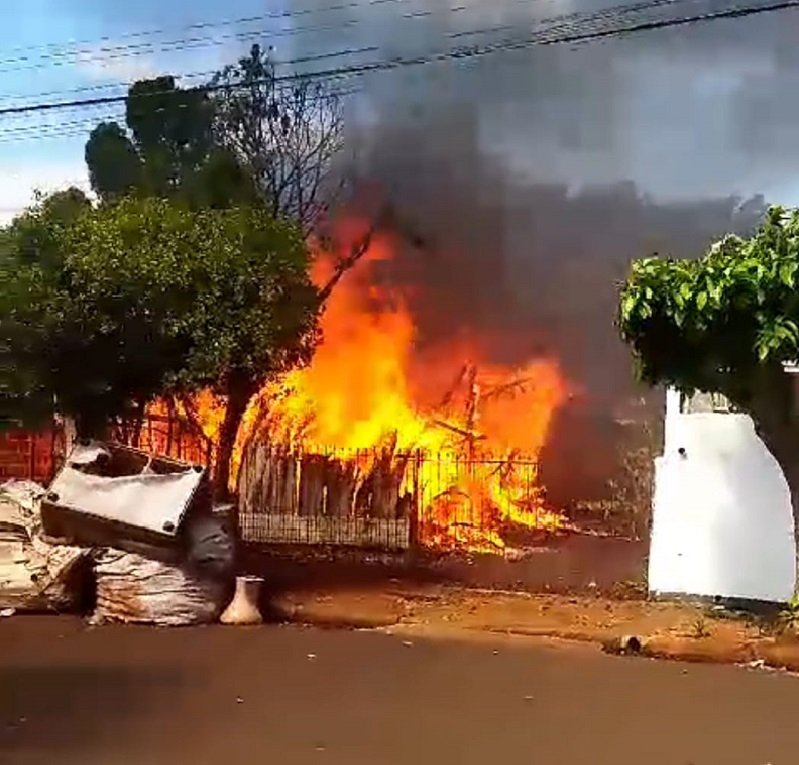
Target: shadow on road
61	708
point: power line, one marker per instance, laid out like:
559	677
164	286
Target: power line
262	34
196	26
107	54
80	127
103	52
189	45
541	38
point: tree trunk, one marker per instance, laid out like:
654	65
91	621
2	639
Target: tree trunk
777	424
238	396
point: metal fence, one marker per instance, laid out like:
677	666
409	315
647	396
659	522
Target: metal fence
166	435
385	499
39	455
31	455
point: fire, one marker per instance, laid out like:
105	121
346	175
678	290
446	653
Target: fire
459	436
472	442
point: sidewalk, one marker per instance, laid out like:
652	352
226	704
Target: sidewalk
659	630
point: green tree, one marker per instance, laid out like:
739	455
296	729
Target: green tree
727	322
147	296
229	286
31	309
166	149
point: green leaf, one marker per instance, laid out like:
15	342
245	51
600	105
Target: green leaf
787	271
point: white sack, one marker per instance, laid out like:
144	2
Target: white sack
34	575
138	590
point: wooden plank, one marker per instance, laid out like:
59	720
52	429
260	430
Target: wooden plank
312	484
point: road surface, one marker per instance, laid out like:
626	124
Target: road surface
292	696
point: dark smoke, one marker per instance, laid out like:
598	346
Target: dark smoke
535	176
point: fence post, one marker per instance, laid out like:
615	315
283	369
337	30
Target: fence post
413	516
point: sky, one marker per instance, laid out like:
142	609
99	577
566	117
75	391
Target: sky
696	93
40	61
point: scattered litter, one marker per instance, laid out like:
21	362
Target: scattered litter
161	553
624	645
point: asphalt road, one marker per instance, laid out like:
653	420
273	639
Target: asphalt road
291	696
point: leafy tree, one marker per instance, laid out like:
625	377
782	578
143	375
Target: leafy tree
167	149
230	287
288	137
727	323
31	309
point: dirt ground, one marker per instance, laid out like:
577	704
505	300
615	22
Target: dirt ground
691	632
571	563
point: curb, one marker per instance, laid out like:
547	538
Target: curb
295	614
767	652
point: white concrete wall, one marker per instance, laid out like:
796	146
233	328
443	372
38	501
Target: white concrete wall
722	522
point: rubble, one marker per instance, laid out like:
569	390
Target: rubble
113	495
160	553
35	575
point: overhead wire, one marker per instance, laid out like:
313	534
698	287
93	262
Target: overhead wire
101	50
112	53
273	15
547	36
613	12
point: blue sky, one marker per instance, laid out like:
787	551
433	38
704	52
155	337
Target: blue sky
48	47
687	94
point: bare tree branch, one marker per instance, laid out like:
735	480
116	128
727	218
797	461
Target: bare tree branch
357	251
288	138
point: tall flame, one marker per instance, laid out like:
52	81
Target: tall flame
472	431
369	388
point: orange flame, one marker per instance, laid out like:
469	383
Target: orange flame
367	388
473	443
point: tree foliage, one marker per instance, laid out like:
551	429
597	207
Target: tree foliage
714	324
727	322
112	306
231	284
33	322
166	149
243	137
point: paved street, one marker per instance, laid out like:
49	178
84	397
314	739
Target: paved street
294	696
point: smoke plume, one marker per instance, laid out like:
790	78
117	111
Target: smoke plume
535	175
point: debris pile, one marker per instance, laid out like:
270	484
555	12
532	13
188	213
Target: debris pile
35	575
143	526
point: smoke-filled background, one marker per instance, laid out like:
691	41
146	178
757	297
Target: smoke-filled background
535	175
